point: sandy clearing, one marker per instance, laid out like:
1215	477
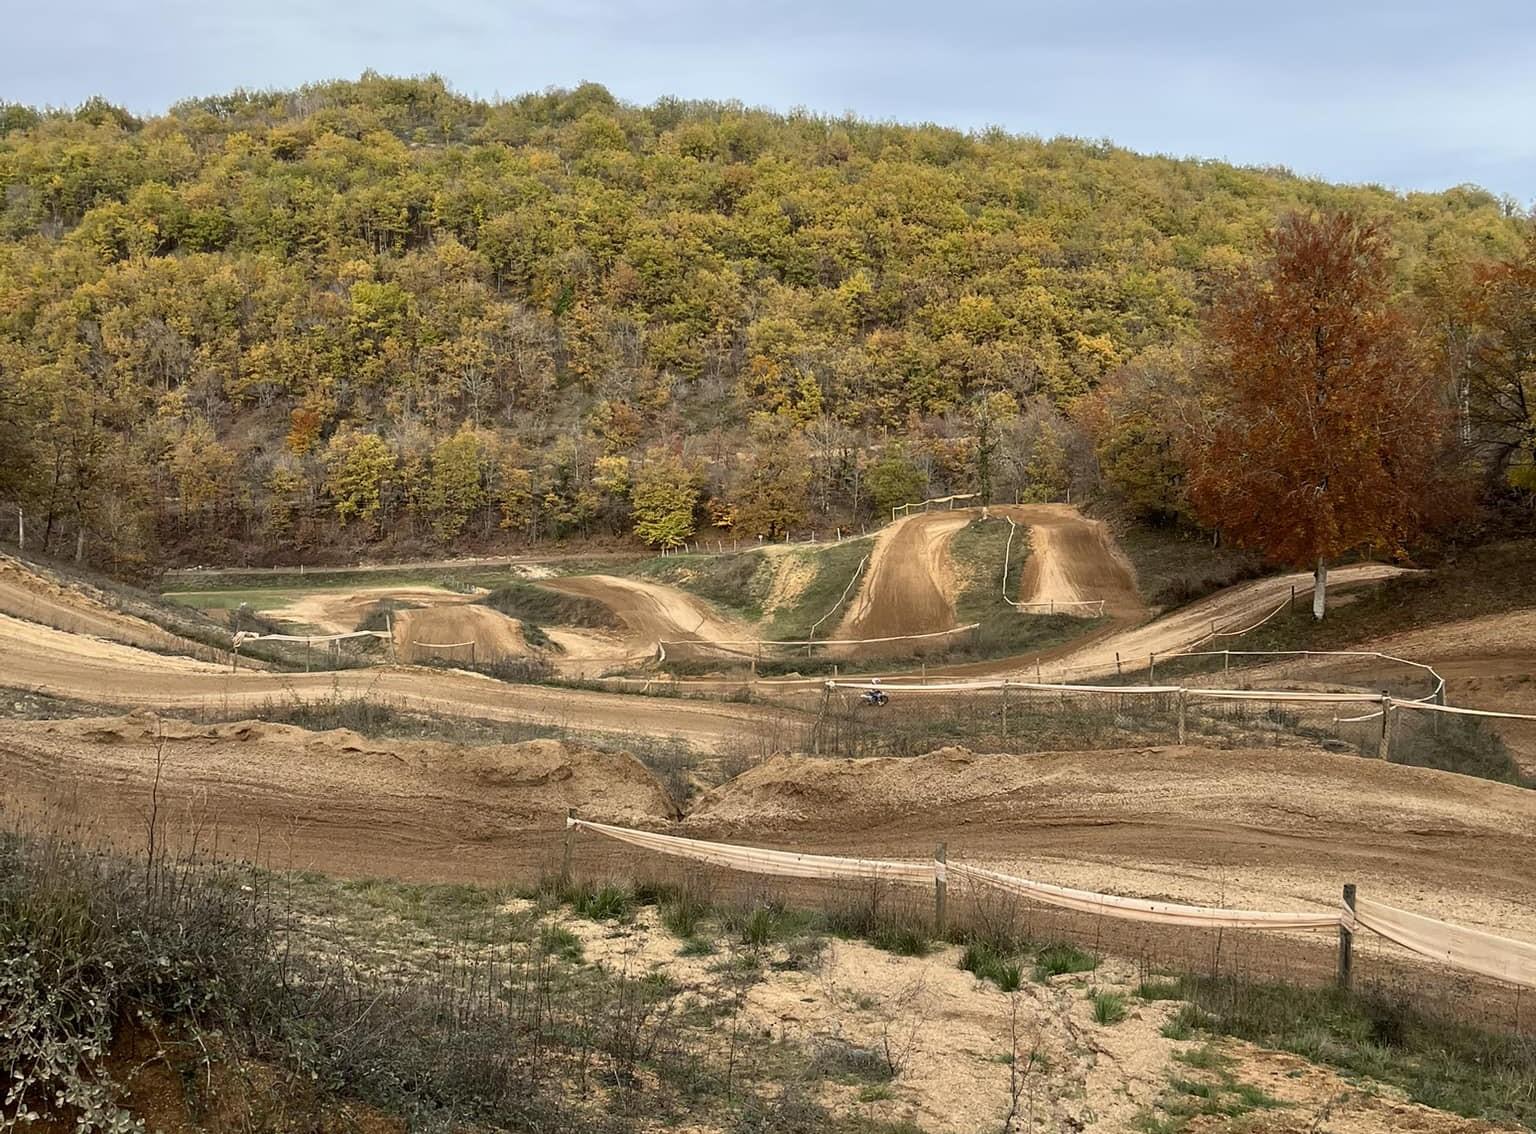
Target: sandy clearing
68	665
909	585
651	611
463	632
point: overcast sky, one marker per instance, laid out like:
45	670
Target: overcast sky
1416	94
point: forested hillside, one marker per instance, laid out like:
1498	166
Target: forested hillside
377	312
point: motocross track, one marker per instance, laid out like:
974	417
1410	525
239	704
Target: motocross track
52	662
909	586
341	612
650	611
1073	559
462	632
1275	828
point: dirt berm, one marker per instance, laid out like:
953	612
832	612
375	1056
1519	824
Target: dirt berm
1262	828
331	800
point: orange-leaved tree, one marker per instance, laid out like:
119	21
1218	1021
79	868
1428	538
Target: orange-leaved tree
1320	426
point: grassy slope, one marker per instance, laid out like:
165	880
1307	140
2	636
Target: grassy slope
1178	567
977	551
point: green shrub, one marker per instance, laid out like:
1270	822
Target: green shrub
1054	960
1108	1007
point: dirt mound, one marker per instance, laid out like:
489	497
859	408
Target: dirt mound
335	800
462	633
909	587
341	612
80	609
1258	827
651	611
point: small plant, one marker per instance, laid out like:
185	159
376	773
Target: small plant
697	947
1160	990
1055	960
1108	1007
906	940
984	960
607	902
557	941
683	914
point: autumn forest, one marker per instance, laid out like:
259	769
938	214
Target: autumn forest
378	317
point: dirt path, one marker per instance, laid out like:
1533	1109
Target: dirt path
68	665
909	586
341	612
652	612
1234	608
1075	559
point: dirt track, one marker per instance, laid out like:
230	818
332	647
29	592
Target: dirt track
1074	559
463	632
1265	828
68	665
342	611
650	611
909	586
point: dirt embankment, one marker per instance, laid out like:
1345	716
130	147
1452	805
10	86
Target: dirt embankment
460	633
652	612
332	801
909	587
1265	828
78	609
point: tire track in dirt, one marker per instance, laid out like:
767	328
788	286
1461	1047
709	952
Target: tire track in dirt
652	612
909	586
67	665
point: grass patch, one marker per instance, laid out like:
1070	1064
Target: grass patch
1160	990
1108	1007
823	599
1176	566
987	961
1441	1063
738	582
1056	960
541	606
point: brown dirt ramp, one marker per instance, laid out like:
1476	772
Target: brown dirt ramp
909	587
460	633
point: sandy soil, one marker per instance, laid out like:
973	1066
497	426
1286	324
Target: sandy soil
326	800
26	594
341	612
652	612
1074	559
69	665
1266	828
909	585
475	633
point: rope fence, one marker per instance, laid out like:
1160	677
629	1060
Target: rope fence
1473	950
1049	605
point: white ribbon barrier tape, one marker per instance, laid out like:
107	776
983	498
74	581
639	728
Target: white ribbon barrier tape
824	641
1140	909
1126	690
244	637
1426	707
1484	953
440	645
755	860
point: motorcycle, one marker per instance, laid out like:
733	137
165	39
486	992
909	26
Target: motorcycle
875	697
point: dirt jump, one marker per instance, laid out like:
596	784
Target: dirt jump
463	632
909	586
71	666
343	611
652	612
1072	560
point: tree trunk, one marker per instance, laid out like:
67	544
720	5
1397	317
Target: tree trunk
1320	589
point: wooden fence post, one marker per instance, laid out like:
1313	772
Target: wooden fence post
1384	748
1117	663
1005	707
940	889
1347	939
1151	669
1183	701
